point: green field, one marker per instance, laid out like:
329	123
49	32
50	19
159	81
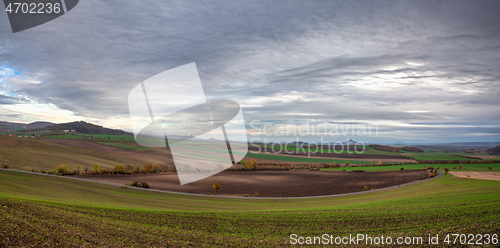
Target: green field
305	159
368	149
443	156
466	167
44	211
123	137
36	133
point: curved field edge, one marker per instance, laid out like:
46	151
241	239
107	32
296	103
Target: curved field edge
46	212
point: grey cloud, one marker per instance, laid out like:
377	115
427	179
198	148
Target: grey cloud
12	115
248	51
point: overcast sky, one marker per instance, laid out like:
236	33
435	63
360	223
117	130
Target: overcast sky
422	71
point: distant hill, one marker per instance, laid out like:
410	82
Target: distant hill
79	127
37	124
411	149
13	126
494	151
27	153
385	148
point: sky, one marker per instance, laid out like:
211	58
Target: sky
414	71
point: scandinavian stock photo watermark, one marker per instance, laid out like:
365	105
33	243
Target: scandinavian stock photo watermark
322	134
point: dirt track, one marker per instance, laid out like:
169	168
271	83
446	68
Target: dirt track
273	183
477	175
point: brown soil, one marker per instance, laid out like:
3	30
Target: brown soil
486	157
272	183
477	175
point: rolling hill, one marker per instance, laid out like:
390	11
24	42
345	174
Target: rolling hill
13	126
79	127
27	154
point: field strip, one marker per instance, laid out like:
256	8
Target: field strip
241	197
476	175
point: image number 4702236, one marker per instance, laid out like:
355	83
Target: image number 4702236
27	14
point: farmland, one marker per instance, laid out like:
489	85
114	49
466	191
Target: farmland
27	154
325	149
273	183
88	214
306	160
122	137
451	167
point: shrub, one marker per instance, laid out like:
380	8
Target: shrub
4	165
216	186
254	164
460	166
120	168
140	184
245	195
62	169
365	188
446	170
96	168
402	168
489	168
347	164
155	168
256	194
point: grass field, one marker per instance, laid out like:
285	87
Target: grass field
368	149
466	167
123	137
305	159
43	211
430	156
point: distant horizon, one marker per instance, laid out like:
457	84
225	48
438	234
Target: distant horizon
331	140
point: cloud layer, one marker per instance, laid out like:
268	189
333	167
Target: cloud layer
396	64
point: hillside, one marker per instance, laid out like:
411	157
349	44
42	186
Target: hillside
494	151
26	154
385	148
411	149
13	126
79	127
